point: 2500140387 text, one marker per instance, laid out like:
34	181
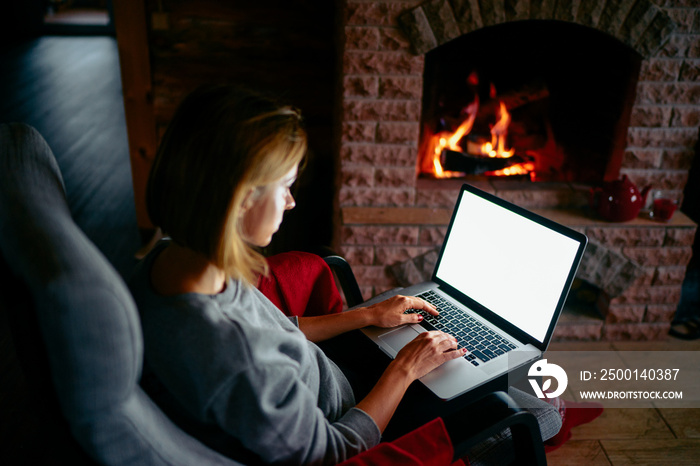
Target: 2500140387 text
631	374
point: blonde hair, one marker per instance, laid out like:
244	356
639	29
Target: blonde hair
222	142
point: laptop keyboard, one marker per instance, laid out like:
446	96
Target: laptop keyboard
482	343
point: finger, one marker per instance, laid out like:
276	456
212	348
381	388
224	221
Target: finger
447	343
424	305
411	318
439	338
446	335
454	353
433	334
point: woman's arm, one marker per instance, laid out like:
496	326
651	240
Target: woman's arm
388	313
420	356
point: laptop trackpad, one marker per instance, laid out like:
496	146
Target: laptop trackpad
398	338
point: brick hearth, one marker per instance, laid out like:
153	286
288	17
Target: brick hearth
388	215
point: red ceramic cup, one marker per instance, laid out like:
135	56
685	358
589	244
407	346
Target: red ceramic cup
664	209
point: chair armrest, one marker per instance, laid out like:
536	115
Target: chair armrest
346	277
487	417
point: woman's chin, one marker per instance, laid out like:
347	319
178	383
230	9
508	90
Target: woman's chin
259	243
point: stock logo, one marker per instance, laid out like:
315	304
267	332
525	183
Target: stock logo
544	369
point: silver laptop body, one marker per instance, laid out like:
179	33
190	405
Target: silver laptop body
508	269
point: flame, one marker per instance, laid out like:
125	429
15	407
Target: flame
517	169
499	132
446	140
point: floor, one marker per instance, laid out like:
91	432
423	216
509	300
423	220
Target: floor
649	433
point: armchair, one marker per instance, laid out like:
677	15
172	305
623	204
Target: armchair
75	328
72	339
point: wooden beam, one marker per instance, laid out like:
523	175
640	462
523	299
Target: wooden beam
130	20
442	216
396	215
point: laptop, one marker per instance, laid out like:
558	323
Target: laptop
500	283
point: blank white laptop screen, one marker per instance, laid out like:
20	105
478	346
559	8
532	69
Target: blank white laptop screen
513	266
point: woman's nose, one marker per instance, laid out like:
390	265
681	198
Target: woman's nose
290	201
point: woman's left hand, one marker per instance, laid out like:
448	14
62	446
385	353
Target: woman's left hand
390	313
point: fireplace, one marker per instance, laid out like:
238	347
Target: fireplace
391	215
506	100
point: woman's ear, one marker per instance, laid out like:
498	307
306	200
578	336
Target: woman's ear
248	200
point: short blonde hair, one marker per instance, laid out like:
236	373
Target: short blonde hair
222	142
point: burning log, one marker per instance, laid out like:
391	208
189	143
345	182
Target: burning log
473	165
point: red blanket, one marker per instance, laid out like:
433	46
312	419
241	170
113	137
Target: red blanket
429	445
301	283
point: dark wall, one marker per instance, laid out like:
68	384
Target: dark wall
20	20
284	47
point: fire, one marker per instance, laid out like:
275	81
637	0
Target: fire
499	132
517	169
446	140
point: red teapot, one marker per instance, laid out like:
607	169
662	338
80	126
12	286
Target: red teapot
619	200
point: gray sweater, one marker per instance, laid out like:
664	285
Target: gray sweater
244	379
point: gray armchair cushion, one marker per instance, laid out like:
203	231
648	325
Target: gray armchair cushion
86	315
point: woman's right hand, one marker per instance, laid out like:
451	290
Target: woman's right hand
420	356
426	352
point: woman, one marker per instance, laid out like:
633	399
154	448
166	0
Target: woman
222	360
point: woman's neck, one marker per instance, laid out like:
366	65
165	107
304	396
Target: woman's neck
179	270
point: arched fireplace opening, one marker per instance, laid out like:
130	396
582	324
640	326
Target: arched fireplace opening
542	100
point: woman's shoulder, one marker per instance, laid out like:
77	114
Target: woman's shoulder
237	319
193	331
198	338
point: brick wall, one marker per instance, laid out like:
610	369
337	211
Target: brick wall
380	196
645	308
382	87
